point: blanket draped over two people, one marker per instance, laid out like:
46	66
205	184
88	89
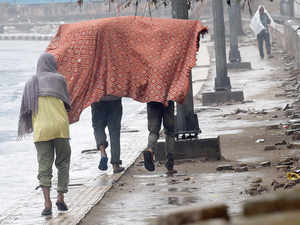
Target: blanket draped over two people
147	59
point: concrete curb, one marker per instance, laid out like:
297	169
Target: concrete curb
88	196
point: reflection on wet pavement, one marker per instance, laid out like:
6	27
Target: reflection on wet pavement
145	202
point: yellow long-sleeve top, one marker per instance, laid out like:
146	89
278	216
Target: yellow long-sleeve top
51	120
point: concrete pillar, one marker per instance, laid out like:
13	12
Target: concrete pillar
234	53
287	8
222	87
222	81
239	20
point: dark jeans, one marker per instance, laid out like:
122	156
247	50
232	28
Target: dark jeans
262	37
108	114
156	113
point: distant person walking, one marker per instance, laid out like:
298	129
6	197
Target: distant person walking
260	25
108	113
44	107
157	113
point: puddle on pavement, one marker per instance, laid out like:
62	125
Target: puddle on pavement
251	159
148	176
182	201
184	190
223	132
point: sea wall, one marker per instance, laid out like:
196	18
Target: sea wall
69	11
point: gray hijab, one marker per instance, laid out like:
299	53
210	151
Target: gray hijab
46	82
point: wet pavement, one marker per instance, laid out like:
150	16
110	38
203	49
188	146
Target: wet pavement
139	197
132	145
88	185
136	205
151	196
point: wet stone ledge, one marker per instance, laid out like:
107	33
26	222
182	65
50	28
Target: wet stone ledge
272	209
12	37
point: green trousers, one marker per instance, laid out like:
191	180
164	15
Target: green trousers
60	150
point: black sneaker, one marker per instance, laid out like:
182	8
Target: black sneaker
117	168
61	206
46	212
170	162
148	160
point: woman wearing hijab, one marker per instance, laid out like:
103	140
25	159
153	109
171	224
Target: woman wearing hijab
260	25
44	107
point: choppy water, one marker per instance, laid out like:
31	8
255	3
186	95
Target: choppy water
18	164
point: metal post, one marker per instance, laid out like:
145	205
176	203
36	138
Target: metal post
291	8
239	19
222	81
223	92
234	52
186	120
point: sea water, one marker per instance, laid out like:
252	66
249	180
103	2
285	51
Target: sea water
18	162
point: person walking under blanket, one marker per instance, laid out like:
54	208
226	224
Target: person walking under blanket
108	113
156	114
44	107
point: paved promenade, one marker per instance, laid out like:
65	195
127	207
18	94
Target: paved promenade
85	193
140	196
84	198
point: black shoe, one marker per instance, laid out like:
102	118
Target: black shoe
103	163
46	212
148	160
170	164
61	206
117	168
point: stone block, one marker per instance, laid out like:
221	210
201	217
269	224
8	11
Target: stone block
270	148
295	126
241	169
294	145
224	167
273	127
190	215
209	98
280	218
296	136
212	222
208	147
239	66
276	202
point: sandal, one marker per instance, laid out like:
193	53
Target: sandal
61	206
46	212
103	163
148	160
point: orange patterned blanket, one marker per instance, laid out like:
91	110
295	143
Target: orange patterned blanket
147	59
